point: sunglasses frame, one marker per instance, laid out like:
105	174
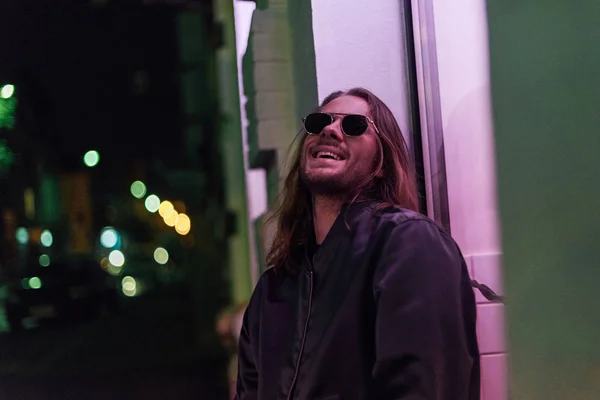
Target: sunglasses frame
332	116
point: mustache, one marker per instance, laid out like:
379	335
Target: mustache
330	143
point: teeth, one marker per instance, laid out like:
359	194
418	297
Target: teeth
327	153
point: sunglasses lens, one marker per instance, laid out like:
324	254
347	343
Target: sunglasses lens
315	123
355	125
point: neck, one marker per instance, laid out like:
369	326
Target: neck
325	212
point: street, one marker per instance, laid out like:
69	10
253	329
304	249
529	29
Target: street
145	351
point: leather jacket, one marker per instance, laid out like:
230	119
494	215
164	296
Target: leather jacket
383	309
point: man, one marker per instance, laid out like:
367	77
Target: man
366	298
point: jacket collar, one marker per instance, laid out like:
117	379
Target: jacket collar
338	232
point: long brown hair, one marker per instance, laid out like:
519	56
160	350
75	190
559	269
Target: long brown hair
293	215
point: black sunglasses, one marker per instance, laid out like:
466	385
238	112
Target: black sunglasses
352	124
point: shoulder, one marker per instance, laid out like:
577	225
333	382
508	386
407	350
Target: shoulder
394	221
393	216
413	244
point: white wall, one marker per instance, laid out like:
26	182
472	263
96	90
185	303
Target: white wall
463	68
462	47
360	44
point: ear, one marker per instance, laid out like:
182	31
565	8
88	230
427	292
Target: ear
380	174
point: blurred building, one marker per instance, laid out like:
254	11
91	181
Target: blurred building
104	123
122	172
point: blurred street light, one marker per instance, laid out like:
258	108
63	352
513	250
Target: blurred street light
152	203
184	224
46	238
22	235
91	158
161	255
7	91
109	237
138	189
165	208
44	260
116	258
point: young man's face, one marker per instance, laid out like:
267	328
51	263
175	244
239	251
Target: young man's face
355	156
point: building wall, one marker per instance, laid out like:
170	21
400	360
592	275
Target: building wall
232	147
465	100
363	46
256	192
273	80
544	69
279	81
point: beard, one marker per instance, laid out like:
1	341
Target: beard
325	186
344	184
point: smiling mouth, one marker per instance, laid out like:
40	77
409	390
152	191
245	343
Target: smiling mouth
327	155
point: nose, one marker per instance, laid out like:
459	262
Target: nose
334	130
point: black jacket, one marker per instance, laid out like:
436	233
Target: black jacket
384	309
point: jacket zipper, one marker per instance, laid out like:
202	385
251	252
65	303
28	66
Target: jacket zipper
310	293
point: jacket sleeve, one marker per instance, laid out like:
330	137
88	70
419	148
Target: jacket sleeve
426	346
247	380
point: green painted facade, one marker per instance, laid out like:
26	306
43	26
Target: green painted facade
544	70
232	149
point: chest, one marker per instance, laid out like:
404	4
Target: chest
322	313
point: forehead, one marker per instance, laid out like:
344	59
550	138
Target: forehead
347	105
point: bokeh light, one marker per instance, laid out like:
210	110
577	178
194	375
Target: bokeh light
109	237
44	260
108	267
35	282
171	218
152	203
46	238
91	158
7	91
22	235
161	255
116	258
165	207
129	286
184	224
138	189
